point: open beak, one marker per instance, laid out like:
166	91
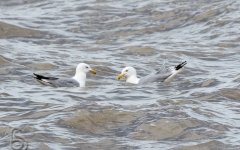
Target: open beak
93	71
120	76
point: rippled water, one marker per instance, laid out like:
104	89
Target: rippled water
198	110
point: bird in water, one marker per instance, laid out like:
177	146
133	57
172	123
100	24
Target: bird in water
162	75
78	80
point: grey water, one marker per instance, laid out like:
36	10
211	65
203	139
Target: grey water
199	109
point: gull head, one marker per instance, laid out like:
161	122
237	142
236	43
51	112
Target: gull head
82	67
128	72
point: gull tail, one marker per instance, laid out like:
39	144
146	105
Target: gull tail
40	77
175	70
43	79
180	65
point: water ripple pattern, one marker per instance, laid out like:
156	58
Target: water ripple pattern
199	109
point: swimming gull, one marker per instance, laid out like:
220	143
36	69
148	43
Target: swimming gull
76	81
162	75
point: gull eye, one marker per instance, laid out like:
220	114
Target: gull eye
126	70
87	67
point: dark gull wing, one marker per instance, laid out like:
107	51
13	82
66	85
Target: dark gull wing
60	82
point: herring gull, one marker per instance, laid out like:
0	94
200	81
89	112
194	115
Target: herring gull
162	75
78	80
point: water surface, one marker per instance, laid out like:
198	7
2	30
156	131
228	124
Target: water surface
199	109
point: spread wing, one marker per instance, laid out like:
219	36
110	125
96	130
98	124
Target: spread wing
163	74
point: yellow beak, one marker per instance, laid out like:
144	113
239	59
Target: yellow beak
120	76
93	71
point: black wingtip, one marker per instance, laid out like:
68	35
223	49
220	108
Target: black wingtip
40	77
36	76
181	65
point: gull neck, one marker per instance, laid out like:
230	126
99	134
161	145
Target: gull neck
81	78
133	79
